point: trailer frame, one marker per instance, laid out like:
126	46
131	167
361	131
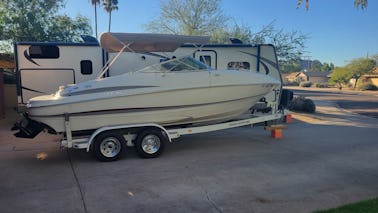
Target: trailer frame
168	134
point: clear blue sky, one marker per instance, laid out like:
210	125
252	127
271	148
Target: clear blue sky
338	32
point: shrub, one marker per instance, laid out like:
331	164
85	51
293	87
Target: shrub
309	106
302	104
305	84
368	86
321	85
291	83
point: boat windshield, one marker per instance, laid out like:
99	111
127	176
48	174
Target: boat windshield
187	64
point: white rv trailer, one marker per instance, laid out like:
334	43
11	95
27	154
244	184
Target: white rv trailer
44	66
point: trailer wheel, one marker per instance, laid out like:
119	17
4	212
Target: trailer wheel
108	146
150	143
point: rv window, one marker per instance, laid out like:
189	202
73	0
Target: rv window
238	65
42	51
86	67
206	59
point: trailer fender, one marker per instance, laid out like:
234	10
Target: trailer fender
109	128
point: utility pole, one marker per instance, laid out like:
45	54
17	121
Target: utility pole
308	60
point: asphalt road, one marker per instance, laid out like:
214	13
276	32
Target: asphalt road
324	160
357	102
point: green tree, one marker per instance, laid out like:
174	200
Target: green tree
205	17
290	66
95	3
327	67
357	4
189	17
289	45
375	57
37	20
340	76
109	6
316	65
359	67
64	28
223	35
23	20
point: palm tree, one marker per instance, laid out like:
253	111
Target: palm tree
360	3
357	4
94	3
300	2
109	6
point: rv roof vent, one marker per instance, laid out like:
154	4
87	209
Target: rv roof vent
89	39
236	41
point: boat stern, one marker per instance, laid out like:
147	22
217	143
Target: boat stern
29	128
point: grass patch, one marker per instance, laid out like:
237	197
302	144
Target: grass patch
367	206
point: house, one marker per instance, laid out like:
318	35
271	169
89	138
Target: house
313	77
367	78
317	77
294	77
371	78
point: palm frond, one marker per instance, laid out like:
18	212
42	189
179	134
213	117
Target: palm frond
299	3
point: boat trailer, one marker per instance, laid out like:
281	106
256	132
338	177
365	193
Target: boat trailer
108	142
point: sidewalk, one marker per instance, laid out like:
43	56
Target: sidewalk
333	90
329	113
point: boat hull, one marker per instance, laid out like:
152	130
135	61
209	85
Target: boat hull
212	104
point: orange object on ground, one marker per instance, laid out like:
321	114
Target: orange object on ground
288	118
276	133
276	130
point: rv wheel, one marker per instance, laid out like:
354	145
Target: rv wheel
108	146
150	143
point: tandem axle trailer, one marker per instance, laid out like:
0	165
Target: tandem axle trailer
107	143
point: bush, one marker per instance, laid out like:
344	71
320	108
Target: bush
302	104
309	106
368	86
305	84
321	85
292	83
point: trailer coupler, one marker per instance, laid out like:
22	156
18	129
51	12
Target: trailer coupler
28	128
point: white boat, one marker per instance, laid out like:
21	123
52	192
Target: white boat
174	92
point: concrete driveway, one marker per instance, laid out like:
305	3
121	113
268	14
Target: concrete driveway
324	160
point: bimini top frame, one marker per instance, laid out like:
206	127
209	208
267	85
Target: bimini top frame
144	42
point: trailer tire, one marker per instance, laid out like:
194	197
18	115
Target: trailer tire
150	143
108	146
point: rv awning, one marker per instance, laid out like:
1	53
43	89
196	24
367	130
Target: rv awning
148	42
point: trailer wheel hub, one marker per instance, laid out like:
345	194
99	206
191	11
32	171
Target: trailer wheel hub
151	144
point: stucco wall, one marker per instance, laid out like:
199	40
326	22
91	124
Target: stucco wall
10	95
374	81
318	79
